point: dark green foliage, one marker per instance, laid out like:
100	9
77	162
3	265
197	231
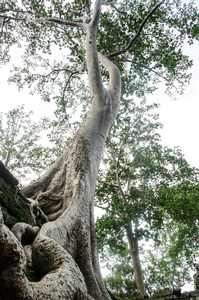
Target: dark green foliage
181	202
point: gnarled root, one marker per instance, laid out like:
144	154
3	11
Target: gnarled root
24	230
63	280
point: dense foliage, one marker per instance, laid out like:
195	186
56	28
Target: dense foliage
152	187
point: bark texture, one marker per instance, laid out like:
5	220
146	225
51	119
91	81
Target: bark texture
64	252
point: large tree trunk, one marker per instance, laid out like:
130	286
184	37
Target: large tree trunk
65	255
134	250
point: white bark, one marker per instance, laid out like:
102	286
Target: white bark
134	250
65	252
24	229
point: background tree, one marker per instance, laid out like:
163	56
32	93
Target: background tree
19	136
66	247
181	202
121	281
172	259
137	167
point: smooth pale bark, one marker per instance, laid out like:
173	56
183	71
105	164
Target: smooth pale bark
65	253
134	250
132	239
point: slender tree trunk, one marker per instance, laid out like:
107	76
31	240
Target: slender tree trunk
134	249
133	242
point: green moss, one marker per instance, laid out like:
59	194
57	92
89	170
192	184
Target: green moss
30	275
9	220
16	206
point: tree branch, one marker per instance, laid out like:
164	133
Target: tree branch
5	20
68	23
138	33
63	96
53	71
96	15
119	184
111	185
149	69
119	11
94	73
46	19
114	74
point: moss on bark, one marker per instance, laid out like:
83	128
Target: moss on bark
15	206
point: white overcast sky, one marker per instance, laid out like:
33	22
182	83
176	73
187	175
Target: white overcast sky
180	117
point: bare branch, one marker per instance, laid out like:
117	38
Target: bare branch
46	19
96	15
2	27
108	184
109	210
104	208
63	94
119	184
5	20
68	23
138	33
119	11
53	71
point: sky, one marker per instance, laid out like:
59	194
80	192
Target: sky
180	117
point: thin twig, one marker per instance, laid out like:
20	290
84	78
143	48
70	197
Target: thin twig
63	95
53	71
108	184
5	20
119	185
119	11
67	83
149	69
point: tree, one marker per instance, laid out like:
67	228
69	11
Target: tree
130	188
65	249
19	138
170	264
121	282
181	203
